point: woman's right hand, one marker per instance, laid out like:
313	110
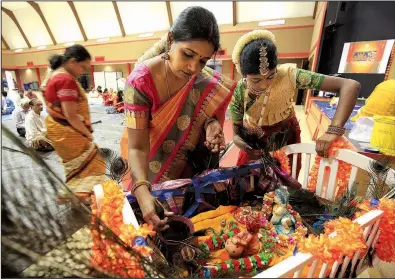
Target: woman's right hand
151	208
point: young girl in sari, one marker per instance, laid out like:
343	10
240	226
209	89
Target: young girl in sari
262	101
68	123
173	105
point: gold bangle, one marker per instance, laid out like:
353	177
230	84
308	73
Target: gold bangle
335	130
139	184
208	122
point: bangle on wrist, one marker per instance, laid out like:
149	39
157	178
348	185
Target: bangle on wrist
140	183
208	122
335	130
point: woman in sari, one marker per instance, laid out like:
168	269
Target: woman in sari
174	105
262	105
68	123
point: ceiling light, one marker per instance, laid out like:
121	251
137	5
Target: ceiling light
19	50
271	22
69	44
42	47
146	35
102	40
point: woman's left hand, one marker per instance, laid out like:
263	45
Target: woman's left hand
323	144
215	140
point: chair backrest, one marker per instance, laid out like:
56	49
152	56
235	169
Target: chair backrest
357	161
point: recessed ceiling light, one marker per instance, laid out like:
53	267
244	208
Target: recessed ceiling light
146	35
19	50
271	22
69	44
42	47
102	40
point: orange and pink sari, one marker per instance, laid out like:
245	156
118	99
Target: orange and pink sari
177	126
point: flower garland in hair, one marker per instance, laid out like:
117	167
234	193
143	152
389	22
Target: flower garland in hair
344	170
385	246
106	253
245	40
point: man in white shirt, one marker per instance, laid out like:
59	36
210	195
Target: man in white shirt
35	127
20	115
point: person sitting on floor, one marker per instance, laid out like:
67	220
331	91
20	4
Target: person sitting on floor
7	105
30	94
118	105
93	93
111	97
105	95
35	127
20	115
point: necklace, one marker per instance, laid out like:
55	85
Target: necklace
167	82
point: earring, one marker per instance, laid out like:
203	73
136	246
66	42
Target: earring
165	55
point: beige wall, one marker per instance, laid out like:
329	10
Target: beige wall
112	68
294	40
28	75
227	66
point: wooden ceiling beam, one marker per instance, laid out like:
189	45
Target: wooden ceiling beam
114	3
169	14
37	8
5	43
12	16
234	13
315	9
77	18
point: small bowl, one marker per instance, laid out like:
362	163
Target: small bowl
180	229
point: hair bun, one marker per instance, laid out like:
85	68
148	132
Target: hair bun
56	61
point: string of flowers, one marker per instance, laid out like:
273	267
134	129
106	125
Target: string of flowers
218	241
347	241
344	169
250	264
106	253
385	246
280	156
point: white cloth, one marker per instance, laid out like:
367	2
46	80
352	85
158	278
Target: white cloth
34	125
20	115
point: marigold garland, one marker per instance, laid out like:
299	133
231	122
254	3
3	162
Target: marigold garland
106	253
344	170
385	246
280	156
348	241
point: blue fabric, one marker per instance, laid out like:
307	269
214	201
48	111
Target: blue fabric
330	112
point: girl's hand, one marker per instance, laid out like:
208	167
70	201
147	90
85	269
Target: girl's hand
323	144
215	140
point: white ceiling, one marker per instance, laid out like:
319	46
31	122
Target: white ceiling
99	19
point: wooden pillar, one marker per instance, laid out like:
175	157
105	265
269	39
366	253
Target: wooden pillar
38	76
129	67
232	71
18	79
92	77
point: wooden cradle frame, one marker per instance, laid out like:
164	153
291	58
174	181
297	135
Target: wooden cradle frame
293	266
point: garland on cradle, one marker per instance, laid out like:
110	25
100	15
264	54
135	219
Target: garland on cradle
283	159
106	253
344	170
328	248
385	246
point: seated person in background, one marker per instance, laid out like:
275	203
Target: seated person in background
7	106
20	115
118	105
105	95
93	93
20	97
99	90
30	94
35	127
111	96
380	102
118	102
